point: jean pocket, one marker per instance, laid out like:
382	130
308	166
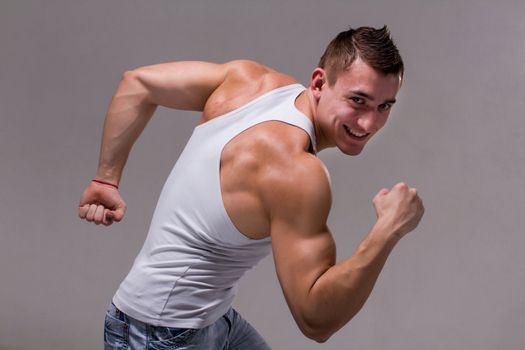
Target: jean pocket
115	333
166	338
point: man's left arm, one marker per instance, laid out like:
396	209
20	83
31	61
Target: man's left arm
322	295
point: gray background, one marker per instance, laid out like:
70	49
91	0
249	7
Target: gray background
457	133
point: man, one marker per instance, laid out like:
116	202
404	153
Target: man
249	180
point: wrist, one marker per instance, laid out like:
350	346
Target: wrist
104	182
108	174
383	230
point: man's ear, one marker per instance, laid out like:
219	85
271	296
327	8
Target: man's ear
317	81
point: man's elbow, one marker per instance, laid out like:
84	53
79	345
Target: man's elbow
316	331
132	85
318	337
131	77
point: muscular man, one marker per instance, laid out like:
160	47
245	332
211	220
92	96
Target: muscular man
249	181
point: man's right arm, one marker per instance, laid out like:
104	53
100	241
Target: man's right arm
179	85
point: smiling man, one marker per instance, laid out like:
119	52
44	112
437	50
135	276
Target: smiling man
249	182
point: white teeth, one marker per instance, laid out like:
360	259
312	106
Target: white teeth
355	133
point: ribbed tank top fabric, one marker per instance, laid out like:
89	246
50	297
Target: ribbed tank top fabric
186	274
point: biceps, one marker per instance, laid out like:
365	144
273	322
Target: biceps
181	85
300	259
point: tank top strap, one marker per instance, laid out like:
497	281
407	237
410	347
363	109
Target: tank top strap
279	105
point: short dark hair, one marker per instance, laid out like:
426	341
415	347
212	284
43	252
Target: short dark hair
374	46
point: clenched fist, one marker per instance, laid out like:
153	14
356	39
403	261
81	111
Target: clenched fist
101	204
399	208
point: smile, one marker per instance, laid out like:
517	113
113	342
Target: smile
355	134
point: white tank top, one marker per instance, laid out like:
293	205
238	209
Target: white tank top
186	274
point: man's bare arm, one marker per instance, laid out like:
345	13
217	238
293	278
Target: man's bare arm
322	295
180	85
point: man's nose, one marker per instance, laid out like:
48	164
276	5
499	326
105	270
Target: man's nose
369	121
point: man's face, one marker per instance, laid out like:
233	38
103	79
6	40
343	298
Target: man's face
355	108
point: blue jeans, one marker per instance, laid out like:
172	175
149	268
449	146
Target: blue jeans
230	332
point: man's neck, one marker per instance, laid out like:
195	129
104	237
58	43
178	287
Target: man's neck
306	104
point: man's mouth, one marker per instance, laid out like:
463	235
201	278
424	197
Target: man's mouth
355	134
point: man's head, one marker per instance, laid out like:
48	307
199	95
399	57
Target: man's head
354	87
374	46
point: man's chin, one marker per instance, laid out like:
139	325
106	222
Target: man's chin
351	151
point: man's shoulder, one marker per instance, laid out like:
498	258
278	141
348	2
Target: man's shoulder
298	187
245	80
280	153
251	71
251	78
302	171
289	173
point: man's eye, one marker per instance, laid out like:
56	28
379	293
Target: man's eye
357	100
385	107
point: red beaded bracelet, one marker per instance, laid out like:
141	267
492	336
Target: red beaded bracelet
105	183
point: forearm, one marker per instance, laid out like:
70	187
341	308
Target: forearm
127	116
339	293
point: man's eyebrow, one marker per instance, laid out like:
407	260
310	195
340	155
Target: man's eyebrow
363	94
371	98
